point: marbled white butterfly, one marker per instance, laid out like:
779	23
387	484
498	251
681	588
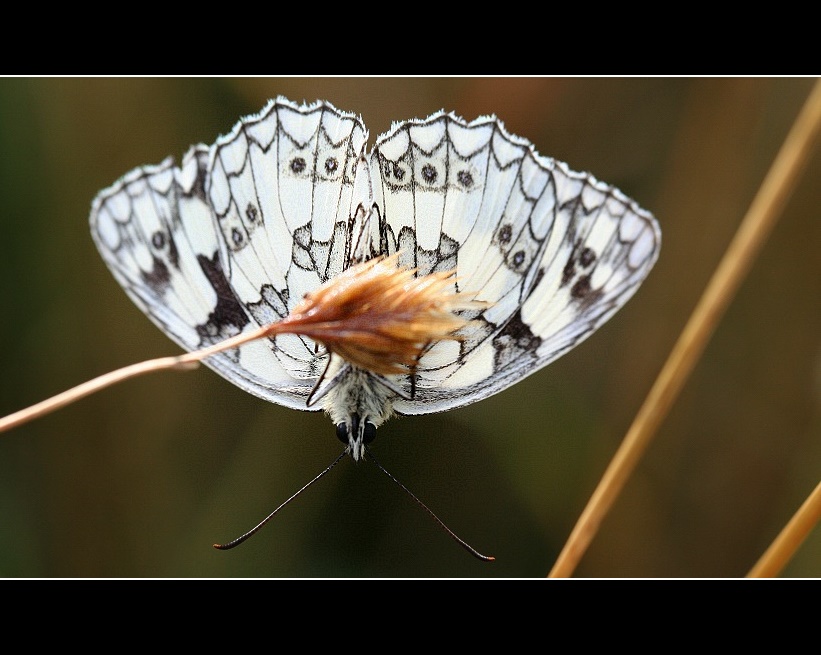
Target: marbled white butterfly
235	237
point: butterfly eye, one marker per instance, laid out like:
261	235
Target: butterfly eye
342	432
369	432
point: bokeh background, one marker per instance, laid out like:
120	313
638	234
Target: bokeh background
141	479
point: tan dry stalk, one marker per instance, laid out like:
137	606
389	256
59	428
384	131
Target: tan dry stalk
753	231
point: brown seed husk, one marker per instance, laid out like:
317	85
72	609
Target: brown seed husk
378	316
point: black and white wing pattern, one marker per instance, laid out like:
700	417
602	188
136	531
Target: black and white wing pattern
553	251
236	235
282	186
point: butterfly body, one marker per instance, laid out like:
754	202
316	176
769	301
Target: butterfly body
239	233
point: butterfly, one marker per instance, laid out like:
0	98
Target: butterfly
236	236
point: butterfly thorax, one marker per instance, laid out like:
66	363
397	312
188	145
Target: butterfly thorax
358	403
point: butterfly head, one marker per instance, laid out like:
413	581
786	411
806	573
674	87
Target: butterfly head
357	402
356	433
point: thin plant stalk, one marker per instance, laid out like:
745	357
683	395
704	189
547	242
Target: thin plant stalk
375	315
781	551
184	362
752	233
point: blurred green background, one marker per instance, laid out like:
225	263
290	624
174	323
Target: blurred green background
141	479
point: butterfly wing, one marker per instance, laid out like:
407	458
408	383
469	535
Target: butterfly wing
281	186
555	252
219	246
156	233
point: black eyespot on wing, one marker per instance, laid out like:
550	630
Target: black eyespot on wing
158	240
505	233
587	257
429	173
297	165
465	179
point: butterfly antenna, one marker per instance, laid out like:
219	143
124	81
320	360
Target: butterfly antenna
311	399
255	529
460	541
